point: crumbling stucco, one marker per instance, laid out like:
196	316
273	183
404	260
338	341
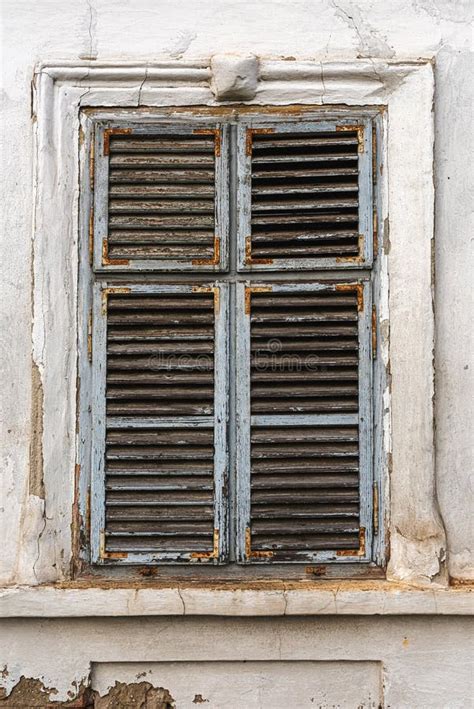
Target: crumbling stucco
36	482
29	693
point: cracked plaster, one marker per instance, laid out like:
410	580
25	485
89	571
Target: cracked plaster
425	659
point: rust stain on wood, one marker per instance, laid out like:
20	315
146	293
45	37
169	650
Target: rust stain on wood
355	552
249	137
248	548
92	162
115	554
374	155
248	254
355	259
106	261
354	129
248	295
374	331
210	289
113	131
89	336
316	570
357	288
376	508
76	524
375	233
214	261
214	554
217	138
105	295
91	235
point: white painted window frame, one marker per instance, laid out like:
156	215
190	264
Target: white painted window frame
405	315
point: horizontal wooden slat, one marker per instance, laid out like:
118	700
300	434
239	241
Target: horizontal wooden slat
162	144
155	237
162	176
143	544
309	542
166	160
267	159
307	511
163	206
160	514
283	141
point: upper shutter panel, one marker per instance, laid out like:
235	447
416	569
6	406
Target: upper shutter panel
305	441
159	422
305	196
165	203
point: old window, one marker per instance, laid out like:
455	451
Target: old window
231	340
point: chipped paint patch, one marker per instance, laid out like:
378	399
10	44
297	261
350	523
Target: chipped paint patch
36	481
141	694
29	693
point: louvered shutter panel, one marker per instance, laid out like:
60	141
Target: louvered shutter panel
159	416
304	422
161	197
305	195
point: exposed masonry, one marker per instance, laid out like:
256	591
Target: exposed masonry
36	483
29	693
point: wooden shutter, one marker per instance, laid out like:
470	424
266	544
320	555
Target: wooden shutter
305	195
159	421
161	197
304	422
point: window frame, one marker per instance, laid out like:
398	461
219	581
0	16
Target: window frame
343	272
66	98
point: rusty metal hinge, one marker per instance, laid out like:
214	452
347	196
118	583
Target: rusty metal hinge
374	332
375	508
89	336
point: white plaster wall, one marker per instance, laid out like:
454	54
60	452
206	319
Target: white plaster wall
316	29
420	665
48	30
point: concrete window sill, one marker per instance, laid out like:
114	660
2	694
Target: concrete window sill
259	599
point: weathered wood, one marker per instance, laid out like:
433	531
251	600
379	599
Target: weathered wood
266	142
167	160
158	236
163	206
157	176
260	159
173	144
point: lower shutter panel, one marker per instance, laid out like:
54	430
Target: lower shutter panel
307	449
164	455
